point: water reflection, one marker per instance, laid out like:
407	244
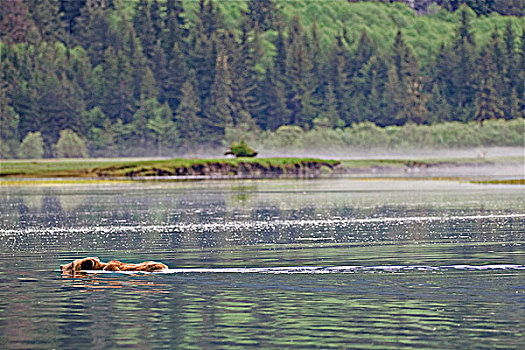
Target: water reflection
342	264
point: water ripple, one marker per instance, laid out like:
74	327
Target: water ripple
236	225
328	269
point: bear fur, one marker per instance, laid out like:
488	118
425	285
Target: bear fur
93	263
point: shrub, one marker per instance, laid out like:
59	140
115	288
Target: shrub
4	149
70	145
291	138
286	136
32	146
241	150
365	134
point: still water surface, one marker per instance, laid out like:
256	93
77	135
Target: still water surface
271	263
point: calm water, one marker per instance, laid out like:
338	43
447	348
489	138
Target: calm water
266	264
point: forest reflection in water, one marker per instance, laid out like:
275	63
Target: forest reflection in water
265	225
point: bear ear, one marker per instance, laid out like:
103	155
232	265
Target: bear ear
91	263
87	264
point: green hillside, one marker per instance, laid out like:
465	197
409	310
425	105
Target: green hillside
424	33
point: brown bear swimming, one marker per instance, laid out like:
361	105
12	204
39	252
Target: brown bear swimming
92	263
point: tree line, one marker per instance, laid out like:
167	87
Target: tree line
160	77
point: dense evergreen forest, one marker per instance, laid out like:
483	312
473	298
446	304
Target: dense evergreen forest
165	77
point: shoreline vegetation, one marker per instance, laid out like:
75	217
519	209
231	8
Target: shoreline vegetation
452	135
238	168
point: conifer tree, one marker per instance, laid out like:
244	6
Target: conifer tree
513	109
273	112
203	55
393	98
488	105
520	88
360	78
59	100
25	100
441	72
299	76
513	76
158	67
157	20
315	49
280	57
137	131
144	27
262	14
245	56
15	21
163	129
70	11
463	70
116	93
330	113
148	85
175	31
316	57
368	85
406	67
405	62
177	73
48	19
364	51
152	128
209	19
143	81
103	141
79	71
9	119
338	77
203	46
72	105
188	119
218	108
96	34
437	106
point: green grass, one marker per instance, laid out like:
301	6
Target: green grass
49	166
114	168
117	168
501	182
401	163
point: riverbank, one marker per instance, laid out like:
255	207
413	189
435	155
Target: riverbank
118	168
253	167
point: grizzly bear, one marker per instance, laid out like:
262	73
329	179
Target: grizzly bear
93	263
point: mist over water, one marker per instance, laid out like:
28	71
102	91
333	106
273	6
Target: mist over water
344	263
377	153
357	153
386	153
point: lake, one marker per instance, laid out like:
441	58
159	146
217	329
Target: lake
327	263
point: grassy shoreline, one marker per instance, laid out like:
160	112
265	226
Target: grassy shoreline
236	167
89	168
